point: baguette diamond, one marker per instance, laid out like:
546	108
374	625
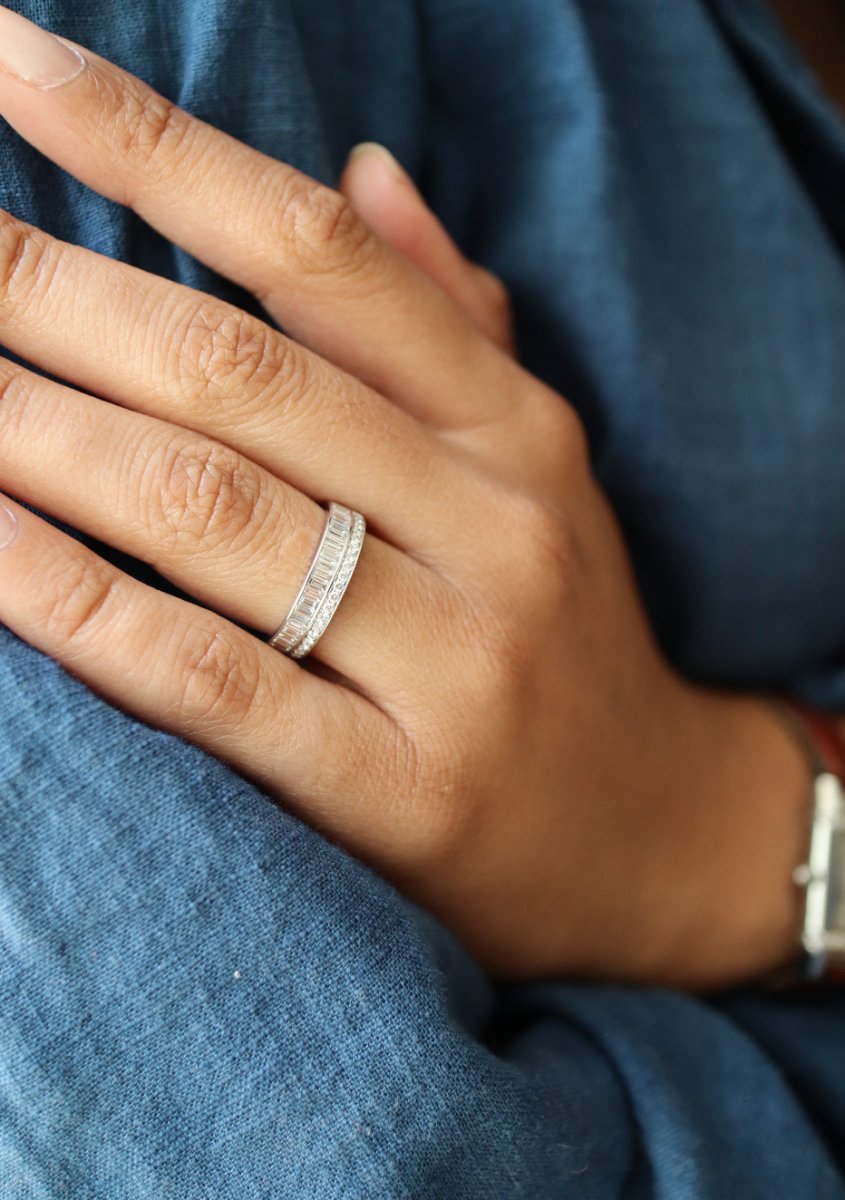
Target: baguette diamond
327	579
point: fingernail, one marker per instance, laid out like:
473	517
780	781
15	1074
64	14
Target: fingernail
33	55
376	150
8	526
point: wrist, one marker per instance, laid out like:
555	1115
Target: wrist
738	828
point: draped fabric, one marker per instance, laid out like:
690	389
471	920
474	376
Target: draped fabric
199	995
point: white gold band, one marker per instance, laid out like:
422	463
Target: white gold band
325	584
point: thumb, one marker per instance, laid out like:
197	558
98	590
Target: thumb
384	195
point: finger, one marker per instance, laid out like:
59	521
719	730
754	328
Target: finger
186	670
384	196
226	531
188	358
295	244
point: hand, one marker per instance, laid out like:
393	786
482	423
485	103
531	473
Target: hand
487	720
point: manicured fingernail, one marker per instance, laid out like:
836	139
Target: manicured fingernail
376	150
8	526
33	55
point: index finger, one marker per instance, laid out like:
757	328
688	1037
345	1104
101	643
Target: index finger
295	244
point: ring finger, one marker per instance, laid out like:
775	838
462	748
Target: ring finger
222	528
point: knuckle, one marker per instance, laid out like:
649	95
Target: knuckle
562	430
148	128
9	375
341	773
495	312
205	492
219	681
16	386
434	826
18	389
496	294
440	766
548	548
78	599
444	822
228	353
25	258
534	582
502	666
321	230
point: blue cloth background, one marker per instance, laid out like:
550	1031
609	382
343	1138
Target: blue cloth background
202	998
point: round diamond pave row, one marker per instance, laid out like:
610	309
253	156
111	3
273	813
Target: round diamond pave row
335	593
322	591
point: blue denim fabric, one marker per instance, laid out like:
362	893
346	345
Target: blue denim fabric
202	998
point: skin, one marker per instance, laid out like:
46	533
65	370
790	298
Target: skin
487	721
818	28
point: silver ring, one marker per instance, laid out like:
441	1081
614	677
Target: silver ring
328	578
